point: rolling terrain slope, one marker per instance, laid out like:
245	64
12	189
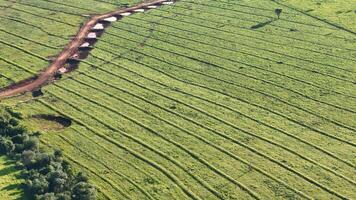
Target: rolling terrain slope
211	99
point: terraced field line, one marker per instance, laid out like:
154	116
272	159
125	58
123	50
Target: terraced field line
71	49
79	164
136	154
315	17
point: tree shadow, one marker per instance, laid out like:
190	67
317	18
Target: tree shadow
14	190
260	25
7	170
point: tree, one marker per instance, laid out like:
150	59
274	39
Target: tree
42	160
28	157
47	196
19	139
81	177
83	191
31	144
57	181
6	146
278	12
38	186
58	154
63	196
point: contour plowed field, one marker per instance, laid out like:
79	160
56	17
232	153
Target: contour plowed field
196	100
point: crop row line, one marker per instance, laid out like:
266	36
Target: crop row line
247	88
292	65
111	51
261	68
78	14
230	8
252	7
32	25
196	59
192	121
137	74
155	165
340	124
18	66
216	65
112	153
314	17
44	17
189	31
207	9
189	152
67	5
204	112
48	9
183	129
24	50
325	188
6	77
269	33
302	59
232	32
19	36
244	12
107	166
209	115
245	145
234	51
43	141
282	19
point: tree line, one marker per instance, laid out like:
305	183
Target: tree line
48	176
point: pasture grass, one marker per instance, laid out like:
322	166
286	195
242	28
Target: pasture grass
202	99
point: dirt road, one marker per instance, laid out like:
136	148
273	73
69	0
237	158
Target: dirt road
72	48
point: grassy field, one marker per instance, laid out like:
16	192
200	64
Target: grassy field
197	100
10	183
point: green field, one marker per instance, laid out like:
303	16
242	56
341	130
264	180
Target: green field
214	99
10	182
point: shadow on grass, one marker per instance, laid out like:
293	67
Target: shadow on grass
260	25
14	190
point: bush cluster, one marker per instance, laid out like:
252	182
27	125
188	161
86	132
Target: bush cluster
48	176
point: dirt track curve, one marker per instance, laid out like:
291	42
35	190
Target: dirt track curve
71	49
